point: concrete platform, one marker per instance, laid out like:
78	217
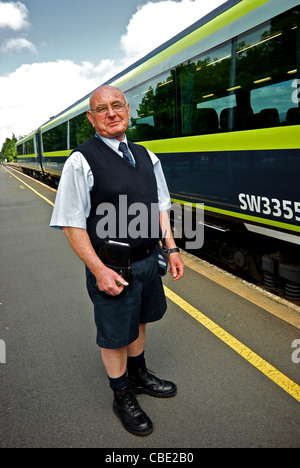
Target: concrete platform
237	373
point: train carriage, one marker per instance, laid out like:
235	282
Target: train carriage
28	154
220	106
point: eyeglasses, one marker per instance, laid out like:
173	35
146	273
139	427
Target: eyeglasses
102	110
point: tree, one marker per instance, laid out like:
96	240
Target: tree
8	150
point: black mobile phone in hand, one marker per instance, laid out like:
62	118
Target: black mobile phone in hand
115	254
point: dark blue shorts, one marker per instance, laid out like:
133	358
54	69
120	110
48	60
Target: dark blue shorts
118	318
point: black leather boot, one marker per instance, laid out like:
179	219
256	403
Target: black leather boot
143	381
132	417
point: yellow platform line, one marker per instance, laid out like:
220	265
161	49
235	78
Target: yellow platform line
33	190
250	356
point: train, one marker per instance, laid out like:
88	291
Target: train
219	104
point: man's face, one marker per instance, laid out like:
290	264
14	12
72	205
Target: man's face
113	123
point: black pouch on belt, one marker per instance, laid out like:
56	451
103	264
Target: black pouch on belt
163	259
116	255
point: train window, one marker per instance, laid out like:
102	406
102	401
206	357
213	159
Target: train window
152	107
56	138
266	66
80	130
204	92
272	105
244	84
29	147
20	150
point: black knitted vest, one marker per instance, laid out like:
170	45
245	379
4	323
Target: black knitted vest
124	200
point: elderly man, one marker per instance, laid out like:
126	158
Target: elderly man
97	173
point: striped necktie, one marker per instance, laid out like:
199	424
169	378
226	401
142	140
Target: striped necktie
127	156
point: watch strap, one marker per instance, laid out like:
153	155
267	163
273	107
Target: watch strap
176	249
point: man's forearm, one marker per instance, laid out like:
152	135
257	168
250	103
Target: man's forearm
176	264
81	244
167	230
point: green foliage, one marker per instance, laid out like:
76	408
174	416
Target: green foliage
8	150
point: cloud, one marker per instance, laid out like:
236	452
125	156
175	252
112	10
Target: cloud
17	45
13	15
33	93
155	23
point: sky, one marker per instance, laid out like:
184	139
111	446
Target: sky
54	52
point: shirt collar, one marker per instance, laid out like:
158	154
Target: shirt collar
112	142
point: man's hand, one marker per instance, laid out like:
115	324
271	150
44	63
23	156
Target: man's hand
110	282
177	266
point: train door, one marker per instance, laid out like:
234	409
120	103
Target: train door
39	151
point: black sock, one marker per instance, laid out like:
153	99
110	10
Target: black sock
119	382
136	362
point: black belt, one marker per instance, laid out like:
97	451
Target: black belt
138	255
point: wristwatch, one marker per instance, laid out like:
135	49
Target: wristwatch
176	249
